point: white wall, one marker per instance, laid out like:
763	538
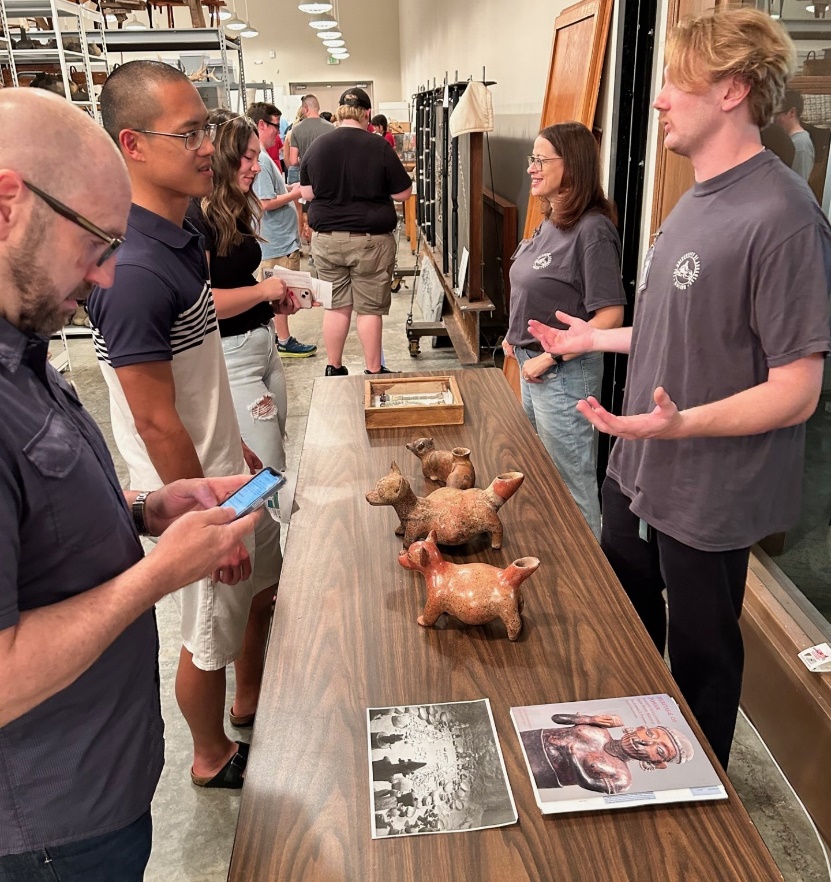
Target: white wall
514	44
370	29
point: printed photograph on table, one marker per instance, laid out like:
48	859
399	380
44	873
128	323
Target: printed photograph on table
436	768
630	751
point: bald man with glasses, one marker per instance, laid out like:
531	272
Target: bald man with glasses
81	746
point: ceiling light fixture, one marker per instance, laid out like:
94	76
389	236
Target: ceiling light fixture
323	24
339	51
341	56
248	30
133	24
224	13
334	43
315	8
329	35
235	23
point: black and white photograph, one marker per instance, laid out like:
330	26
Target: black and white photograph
436	768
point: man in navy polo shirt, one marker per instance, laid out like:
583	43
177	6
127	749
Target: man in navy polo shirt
173	416
81	746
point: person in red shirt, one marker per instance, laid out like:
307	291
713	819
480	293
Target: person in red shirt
277	147
380	125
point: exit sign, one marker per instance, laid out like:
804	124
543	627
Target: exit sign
332	60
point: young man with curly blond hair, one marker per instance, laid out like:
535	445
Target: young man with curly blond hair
726	359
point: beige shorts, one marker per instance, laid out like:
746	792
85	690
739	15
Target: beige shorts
359	266
214	615
289	262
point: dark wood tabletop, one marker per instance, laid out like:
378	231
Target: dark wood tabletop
345	638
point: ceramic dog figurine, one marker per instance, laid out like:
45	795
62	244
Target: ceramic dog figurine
455	515
452	468
474	593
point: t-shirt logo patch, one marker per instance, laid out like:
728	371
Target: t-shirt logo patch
542	261
686	270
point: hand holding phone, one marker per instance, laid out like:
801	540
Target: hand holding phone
255	492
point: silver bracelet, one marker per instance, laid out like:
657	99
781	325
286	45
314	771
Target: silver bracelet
137	509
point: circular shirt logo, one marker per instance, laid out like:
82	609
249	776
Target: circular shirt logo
542	261
686	270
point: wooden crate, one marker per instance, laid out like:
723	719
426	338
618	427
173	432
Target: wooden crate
399	415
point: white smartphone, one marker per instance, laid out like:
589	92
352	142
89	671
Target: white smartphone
255	492
303	296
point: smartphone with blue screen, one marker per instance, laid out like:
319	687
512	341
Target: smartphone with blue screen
255	492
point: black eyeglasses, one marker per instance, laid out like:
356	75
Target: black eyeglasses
113	242
193	140
275	125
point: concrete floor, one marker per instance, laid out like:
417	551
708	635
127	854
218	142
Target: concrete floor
194	829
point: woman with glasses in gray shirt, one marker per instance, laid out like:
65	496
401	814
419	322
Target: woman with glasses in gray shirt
570	264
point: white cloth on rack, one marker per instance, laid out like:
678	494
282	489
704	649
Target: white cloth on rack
474	112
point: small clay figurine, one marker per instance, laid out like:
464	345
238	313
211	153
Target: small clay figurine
475	593
455	515
452	468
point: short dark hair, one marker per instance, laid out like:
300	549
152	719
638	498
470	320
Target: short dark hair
380	120
261	111
324	114
793	99
129	99
580	190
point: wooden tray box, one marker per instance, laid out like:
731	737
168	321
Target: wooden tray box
416	415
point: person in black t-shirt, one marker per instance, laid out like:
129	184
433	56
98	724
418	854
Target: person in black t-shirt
350	178
229	218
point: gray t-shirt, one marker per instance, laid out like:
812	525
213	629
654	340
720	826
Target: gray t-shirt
576	271
803	161
306	131
738	284
278	226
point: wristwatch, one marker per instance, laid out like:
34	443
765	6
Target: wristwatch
137	509
557	359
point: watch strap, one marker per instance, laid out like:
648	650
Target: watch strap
137	509
556	359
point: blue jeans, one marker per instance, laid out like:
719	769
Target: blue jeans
568	437
114	857
258	387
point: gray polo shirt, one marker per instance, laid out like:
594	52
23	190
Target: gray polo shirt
306	131
738	284
87	760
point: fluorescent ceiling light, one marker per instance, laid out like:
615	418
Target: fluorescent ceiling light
249	31
133	24
329	35
334	43
235	24
323	24
315	8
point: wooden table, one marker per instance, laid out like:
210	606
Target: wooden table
345	638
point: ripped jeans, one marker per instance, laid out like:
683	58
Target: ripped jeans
258	387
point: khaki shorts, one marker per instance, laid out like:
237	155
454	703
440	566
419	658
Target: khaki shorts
289	262
359	266
214	615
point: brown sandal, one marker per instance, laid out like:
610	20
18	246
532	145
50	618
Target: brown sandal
230	776
244	722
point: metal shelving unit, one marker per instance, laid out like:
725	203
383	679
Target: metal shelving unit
186	40
69	20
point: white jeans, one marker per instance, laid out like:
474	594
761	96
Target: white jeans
258	387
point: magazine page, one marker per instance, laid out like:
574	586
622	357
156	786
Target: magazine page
613	753
436	768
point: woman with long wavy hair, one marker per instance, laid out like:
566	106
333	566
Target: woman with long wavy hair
572	264
229	219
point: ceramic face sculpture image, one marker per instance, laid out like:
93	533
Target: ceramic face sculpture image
451	468
456	516
475	593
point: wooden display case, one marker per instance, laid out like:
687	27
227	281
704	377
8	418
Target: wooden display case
412	401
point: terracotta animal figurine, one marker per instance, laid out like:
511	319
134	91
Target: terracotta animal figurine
452	468
474	593
455	515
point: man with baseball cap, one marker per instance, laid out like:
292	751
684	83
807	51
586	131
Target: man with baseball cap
350	178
